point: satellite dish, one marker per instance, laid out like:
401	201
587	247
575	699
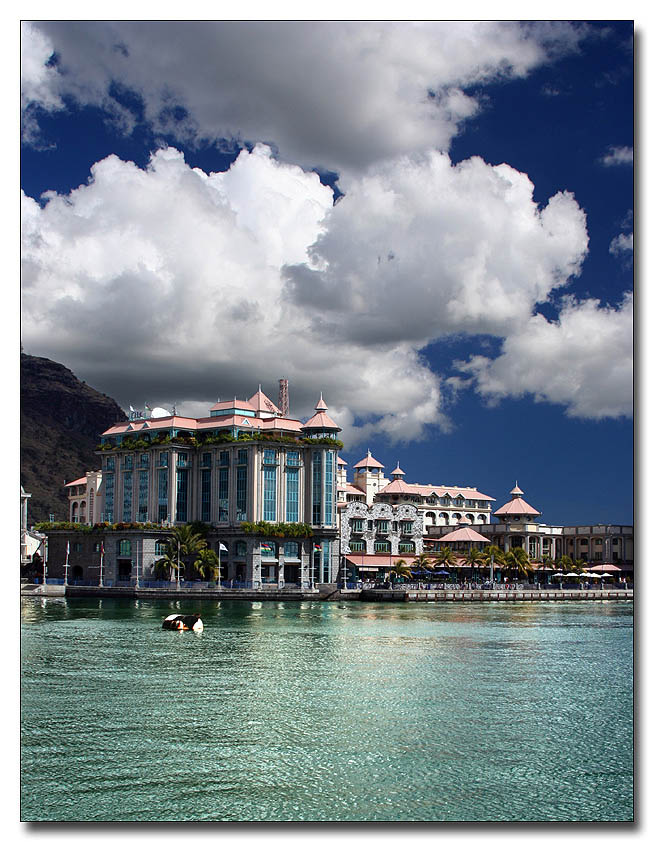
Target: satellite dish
159	412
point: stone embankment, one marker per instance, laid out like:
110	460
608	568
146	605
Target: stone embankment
331	592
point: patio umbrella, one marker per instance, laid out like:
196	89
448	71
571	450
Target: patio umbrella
605	568
568	575
606	575
558	574
586	575
593	575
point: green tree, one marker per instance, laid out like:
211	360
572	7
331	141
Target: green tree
400	570
207	565
184	541
422	563
445	557
518	560
166	566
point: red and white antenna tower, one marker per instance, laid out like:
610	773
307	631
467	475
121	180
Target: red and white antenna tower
283	398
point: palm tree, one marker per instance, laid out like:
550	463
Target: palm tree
475	558
446	557
400	570
185	541
166	566
423	563
207	565
517	559
493	555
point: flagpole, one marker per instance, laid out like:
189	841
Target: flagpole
66	564
219	548
101	563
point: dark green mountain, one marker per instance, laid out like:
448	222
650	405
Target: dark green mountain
61	419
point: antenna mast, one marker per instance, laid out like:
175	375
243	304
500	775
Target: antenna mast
283	398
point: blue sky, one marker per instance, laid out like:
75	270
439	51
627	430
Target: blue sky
464	305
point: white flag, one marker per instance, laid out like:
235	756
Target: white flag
222	548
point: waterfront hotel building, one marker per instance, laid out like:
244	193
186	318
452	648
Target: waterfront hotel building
244	462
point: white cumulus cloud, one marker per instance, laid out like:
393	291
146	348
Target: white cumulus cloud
336	95
583	361
617	156
205	285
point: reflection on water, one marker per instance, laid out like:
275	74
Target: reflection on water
326	711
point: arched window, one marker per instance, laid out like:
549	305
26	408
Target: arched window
382	547
75	512
125	547
82	512
268	549
430	518
241	548
407	547
291	549
481	518
443	516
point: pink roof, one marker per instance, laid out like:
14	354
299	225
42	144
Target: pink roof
155	424
352	489
452	490
517	490
80	481
378	560
262	403
517	506
398	472
464	534
321	421
321	404
398	486
233	403
369	462
340	461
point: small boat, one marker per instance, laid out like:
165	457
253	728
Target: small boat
183	622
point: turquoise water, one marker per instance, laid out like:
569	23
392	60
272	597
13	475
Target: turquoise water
326	712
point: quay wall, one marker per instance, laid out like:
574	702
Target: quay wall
378	596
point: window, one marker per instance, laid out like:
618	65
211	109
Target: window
163	459
242	457
241	491
382	526
110	464
357	546
316	508
182	495
108	483
183	460
77	547
292	549
144	489
382	547
292	457
128	462
292	495
206	460
241	549
598	542
329	488
205	492
270	493
407	547
162	496
269	457
127	497
223	457
357	524
144	461
268	549
125	547
160	547
223	494
96	547
407	527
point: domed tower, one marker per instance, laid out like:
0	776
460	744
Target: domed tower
517	510
369	477
321	425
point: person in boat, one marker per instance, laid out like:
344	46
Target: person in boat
183	622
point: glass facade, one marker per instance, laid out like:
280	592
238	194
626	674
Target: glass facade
292	495
241	491
182	496
291	549
205	492
329	488
109	485
144	489
163	459
316	499
292	457
223	494
326	562
270	492
162	496
127	497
